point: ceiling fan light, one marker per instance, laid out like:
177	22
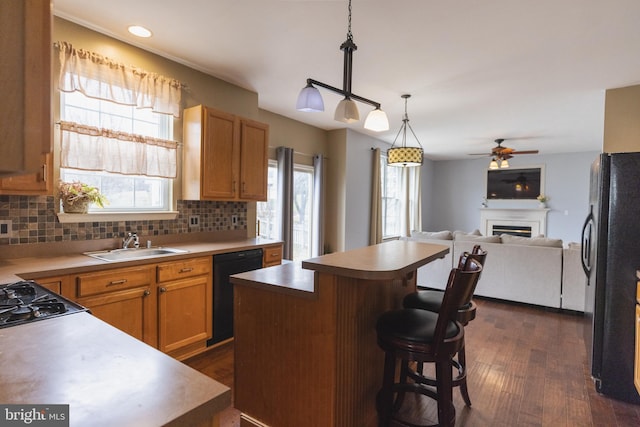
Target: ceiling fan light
377	121
494	164
504	164
404	156
310	100
347	111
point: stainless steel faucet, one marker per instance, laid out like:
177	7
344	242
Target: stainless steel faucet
131	237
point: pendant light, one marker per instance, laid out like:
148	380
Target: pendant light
403	155
310	100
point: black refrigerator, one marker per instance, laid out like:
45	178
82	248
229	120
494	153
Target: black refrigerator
610	259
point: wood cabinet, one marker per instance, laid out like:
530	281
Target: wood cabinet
185	306
124	298
225	156
38	183
25	85
272	255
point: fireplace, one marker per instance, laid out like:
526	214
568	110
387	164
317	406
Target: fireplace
517	222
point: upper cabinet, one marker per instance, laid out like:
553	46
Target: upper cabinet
33	184
25	85
225	156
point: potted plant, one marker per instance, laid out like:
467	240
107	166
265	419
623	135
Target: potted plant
76	196
542	200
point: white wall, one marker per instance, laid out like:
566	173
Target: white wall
453	192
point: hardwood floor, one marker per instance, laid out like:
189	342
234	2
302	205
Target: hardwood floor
526	367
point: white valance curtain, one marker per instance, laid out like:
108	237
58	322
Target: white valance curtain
99	77
86	146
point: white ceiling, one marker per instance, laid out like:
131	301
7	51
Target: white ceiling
531	71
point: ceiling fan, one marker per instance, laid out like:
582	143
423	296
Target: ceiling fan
503	153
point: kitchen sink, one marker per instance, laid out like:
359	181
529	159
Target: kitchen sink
134	253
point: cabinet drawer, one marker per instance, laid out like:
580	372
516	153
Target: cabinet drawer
272	256
113	280
185	268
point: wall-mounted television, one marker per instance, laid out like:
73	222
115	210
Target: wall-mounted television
514	183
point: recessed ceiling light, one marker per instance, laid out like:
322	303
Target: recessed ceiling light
139	31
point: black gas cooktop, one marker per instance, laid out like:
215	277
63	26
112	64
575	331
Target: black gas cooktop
26	301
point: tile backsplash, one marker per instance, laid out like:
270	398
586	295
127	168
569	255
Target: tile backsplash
33	220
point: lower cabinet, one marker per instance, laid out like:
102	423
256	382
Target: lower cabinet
167	305
124	298
185	306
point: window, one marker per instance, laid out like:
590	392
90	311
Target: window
266	211
391	186
302	209
126	193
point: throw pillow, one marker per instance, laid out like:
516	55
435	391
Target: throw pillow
435	235
475	232
531	241
480	239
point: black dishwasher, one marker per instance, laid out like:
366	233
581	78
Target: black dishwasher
224	266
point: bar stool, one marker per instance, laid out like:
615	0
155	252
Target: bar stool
431	300
415	335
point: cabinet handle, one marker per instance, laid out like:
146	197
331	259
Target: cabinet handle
244	187
44	172
147	293
233	188
117	282
163	289
275	255
186	270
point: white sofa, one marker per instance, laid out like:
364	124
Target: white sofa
534	271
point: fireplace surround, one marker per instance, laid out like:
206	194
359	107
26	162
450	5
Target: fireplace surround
518	222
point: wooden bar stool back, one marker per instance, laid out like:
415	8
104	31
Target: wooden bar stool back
431	300
415	335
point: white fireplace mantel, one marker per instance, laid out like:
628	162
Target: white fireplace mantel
534	218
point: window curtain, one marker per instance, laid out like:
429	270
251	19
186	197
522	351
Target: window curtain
375	224
87	146
90	148
99	77
317	244
411	216
284	211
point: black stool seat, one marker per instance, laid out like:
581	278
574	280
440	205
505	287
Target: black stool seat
412	325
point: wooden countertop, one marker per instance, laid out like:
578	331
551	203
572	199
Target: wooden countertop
13	269
384	261
107	377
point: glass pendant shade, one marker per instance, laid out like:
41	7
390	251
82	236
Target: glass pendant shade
404	156
347	111
310	100
493	164
504	164
377	121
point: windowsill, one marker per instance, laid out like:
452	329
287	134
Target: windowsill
66	218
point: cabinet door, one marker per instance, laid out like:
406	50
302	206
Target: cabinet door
38	183
184	312
25	84
220	161
272	256
253	160
132	311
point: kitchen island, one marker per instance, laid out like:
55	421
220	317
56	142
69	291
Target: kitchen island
105	376
305	339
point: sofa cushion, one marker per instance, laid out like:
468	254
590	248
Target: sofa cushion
531	241
435	235
479	239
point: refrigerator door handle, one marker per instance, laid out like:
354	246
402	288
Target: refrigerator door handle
587	230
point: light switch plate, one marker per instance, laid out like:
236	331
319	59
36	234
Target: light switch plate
5	228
